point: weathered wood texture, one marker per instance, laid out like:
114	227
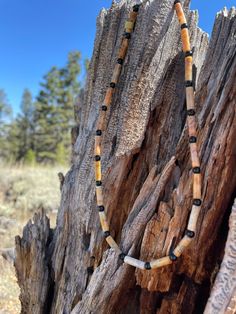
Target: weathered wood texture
223	294
147	173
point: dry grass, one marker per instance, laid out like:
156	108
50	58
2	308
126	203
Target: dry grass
9	289
23	191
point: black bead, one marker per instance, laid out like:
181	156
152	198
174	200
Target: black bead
101	208
99	132
189	53
120	61
191	112
190	233
106	234
97	158
122	256
177	1
192	139
98	183
173	257
197	202
127	35
136	7
196	170
90	270
104	108
188	83
112	85
147	265
184	25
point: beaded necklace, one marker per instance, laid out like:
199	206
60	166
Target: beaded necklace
191	121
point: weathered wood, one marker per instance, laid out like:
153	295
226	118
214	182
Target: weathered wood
223	297
32	265
147	172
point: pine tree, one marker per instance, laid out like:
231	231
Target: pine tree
5	107
47	123
26	125
54	116
5	115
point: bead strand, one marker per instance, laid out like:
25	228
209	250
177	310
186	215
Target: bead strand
129	26
191	228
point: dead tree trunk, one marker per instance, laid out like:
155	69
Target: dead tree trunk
147	177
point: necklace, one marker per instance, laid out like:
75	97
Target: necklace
191	121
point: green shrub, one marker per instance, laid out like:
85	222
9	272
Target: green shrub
30	158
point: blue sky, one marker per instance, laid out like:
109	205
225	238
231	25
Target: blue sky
37	34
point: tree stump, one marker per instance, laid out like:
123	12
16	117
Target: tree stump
147	177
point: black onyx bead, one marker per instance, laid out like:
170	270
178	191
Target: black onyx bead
184	25
196	170
101	208
177	1
192	139
191	112
97	158
190	233
120	61
188	83
122	256
136	7
106	234
173	257
112	85
104	108
90	270
197	202
189	53
147	265
127	35
98	183
99	132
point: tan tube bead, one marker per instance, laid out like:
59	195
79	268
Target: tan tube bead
129	26
123	48
116	73
190	97
188	69
185	39
192	126
133	16
103	221
180	13
194	155
163	261
197	186
99	196
97	146
112	243
192	223
101	120
134	262
108	96
98	170
182	246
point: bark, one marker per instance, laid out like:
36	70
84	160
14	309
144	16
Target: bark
147	176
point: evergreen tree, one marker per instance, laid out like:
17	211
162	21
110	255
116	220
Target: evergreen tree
5	107
42	130
18	135
55	110
47	123
26	125
5	115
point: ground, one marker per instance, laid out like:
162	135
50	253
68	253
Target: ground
23	191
